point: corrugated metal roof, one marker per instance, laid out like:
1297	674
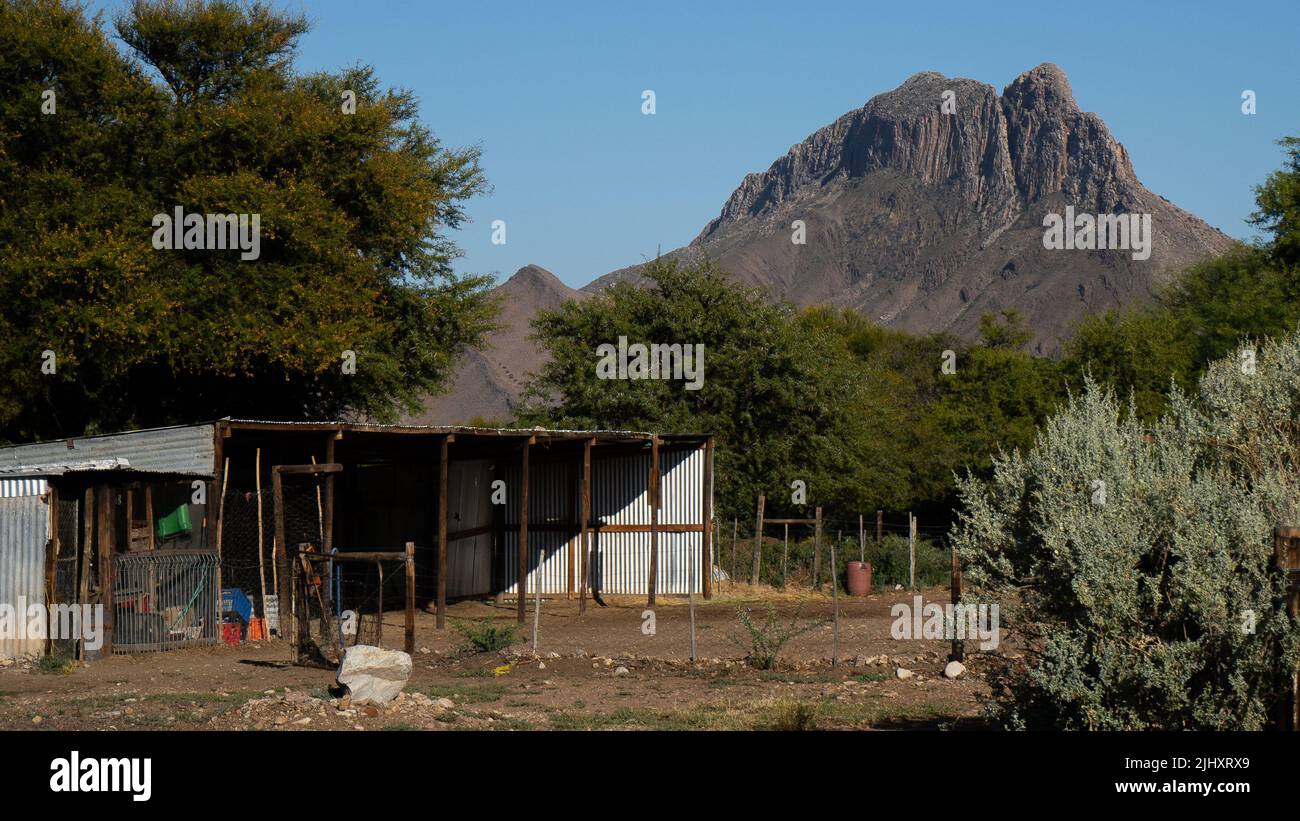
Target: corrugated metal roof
186	450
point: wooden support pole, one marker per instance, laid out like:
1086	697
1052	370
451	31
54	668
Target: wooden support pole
653	582
706	560
221	518
862	541
329	495
817	551
835	607
958	645
443	452
522	581
280	553
758	539
911	551
106	510
583	531
880	527
87	548
409	644
261	560
735	531
1286	554
148	517
785	554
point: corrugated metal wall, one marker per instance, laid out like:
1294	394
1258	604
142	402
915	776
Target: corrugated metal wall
24	529
9	488
620	561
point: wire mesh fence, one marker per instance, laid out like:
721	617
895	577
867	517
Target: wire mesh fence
164	599
341	600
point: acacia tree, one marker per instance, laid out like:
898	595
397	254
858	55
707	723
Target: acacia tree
202	109
1133	560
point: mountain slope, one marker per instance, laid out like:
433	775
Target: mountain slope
487	382
926	220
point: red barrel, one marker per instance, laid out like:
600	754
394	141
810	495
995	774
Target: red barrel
859	578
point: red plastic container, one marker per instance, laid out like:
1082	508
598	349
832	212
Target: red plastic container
859	578
230	633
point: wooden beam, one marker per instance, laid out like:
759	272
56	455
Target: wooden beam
327	467
584	537
442	532
652	582
789	521
522	581
706	558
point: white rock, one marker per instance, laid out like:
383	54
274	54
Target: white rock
903	673
622	671
444	704
954	669
374	675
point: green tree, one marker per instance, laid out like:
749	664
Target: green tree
203	110
777	393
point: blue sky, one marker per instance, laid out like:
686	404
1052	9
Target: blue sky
586	183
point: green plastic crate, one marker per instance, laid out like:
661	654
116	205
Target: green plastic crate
174	523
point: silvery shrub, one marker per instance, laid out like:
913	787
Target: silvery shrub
1154	605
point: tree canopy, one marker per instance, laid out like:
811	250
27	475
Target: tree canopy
201	108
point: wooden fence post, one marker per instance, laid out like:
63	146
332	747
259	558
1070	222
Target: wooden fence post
958	646
1286	552
410	599
758	539
817	550
911	550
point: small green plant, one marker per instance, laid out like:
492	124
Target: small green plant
794	716
54	664
763	642
485	636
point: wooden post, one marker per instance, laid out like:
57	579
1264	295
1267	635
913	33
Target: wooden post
148	518
862	541
706	560
817	550
521	583
785	554
758	539
261	562
880	527
87	546
329	494
835	607
735	530
105	511
280	554
410	599
652	582
958	646
911	550
442	531
1286	554
583	533
221	518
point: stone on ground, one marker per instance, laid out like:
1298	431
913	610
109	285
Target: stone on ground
374	675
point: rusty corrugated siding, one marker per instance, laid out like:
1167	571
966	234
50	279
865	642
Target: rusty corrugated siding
187	450
24	529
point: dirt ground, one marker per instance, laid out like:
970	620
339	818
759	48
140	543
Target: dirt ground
598	671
